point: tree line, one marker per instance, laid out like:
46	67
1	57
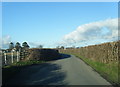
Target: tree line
18	46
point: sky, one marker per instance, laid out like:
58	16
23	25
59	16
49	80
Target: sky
54	24
60	0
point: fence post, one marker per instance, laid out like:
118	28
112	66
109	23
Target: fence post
5	58
12	56
17	56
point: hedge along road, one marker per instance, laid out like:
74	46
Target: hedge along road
69	70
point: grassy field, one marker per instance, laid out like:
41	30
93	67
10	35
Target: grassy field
11	70
108	71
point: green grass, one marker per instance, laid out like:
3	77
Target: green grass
11	70
23	63
108	71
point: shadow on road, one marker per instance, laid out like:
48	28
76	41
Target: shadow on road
43	74
62	56
65	56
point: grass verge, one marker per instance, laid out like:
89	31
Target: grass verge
108	71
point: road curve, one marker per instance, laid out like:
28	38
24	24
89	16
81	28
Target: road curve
69	70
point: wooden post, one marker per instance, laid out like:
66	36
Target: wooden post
5	58
17	56
12	56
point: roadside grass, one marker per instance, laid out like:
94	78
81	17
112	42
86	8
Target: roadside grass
10	70
108	71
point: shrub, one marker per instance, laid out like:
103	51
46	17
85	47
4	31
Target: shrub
43	54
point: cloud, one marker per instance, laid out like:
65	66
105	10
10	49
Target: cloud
105	30
4	41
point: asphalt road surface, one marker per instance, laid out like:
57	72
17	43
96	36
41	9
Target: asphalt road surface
68	70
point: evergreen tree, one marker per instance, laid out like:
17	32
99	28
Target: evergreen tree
25	45
11	45
62	47
17	46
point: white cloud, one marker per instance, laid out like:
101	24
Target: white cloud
106	30
4	41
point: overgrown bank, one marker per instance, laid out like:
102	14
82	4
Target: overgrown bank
103	58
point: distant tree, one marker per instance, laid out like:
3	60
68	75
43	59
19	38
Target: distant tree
58	47
17	46
40	46
11	45
62	47
25	45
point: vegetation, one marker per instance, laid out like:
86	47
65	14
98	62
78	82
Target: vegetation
60	47
40	46
43	54
11	45
25	45
23	63
102	57
109	71
17	46
27	57
36	56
